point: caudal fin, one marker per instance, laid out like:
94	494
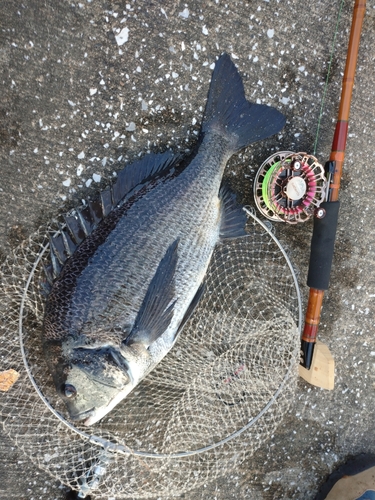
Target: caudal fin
230	114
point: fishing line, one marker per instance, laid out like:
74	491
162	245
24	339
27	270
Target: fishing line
327	77
290	187
187	423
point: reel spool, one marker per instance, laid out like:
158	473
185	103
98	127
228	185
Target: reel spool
290	187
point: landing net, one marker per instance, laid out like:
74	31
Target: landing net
214	400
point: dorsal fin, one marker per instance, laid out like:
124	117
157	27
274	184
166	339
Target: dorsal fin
56	253
81	222
69	245
106	201
84	217
141	172
74	228
96	210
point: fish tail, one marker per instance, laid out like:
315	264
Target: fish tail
231	115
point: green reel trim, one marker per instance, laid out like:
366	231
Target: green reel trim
266	184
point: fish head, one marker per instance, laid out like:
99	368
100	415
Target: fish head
93	381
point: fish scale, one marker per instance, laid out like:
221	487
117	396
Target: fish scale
124	295
141	239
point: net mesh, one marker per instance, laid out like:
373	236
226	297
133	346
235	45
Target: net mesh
214	399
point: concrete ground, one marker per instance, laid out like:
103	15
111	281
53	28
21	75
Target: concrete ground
87	85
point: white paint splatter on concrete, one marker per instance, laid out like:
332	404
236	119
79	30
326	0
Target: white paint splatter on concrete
184	14
123	36
131	127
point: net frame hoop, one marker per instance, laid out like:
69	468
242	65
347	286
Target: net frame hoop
123	449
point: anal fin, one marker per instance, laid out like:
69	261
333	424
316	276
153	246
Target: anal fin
233	216
157	308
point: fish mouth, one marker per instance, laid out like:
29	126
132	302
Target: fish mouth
83	414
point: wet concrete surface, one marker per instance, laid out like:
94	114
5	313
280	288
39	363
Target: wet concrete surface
75	105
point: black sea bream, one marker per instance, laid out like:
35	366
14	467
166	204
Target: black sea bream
124	293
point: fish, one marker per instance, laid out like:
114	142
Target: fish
127	270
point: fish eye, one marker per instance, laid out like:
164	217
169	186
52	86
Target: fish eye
69	390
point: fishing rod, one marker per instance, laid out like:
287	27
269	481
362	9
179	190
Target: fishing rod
326	217
293	187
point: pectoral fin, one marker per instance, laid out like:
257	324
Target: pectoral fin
157	308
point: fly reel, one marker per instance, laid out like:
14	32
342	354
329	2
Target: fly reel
290	187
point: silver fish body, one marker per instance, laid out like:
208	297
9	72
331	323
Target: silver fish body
121	299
